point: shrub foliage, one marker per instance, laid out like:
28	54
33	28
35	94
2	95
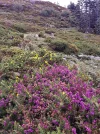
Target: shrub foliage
48	98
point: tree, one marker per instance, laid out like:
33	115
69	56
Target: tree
87	13
97	26
72	7
75	16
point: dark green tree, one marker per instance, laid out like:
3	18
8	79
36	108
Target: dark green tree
87	13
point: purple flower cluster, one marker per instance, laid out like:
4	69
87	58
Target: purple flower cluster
28	131
4	102
55	98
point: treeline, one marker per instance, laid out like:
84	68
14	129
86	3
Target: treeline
87	15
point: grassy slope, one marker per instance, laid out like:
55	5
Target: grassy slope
13	24
86	43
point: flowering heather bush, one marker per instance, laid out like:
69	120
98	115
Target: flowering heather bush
53	100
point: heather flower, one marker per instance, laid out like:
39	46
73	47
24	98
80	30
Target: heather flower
87	107
90	93
82	104
44	125
69	107
3	102
67	125
28	131
47	98
88	129
5	123
92	111
94	121
55	122
74	130
98	101
25	77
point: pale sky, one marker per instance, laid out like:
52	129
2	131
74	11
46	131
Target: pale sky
63	2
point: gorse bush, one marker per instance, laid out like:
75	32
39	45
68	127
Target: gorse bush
16	62
38	96
51	100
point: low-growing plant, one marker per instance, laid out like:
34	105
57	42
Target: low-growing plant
41	34
17	62
9	37
20	27
48	12
59	45
63	46
50	100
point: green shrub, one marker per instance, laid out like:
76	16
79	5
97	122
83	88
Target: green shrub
72	48
48	12
58	45
63	46
58	131
41	34
9	36
20	27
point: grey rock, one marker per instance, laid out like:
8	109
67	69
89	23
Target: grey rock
16	74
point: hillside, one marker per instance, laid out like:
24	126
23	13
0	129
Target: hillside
49	71
30	13
18	18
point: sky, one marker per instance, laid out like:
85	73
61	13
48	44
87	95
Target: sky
63	2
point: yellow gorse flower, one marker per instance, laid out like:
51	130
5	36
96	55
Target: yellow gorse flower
50	56
17	95
36	56
17	78
46	62
63	93
12	62
40	68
